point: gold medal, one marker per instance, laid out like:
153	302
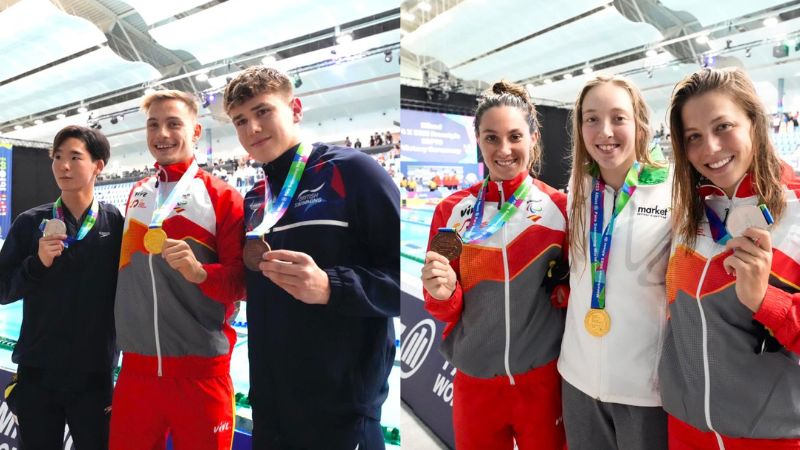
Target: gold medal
447	243
253	253
597	322
154	240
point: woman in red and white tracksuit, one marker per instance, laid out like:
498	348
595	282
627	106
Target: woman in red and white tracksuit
730	370
503	332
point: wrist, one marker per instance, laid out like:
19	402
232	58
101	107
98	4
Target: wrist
199	274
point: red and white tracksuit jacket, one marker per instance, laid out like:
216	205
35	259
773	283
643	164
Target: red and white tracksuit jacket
717	376
501	325
176	336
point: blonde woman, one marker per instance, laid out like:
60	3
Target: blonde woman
619	242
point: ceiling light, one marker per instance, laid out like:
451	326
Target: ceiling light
702	39
408	16
567	76
770	21
344	38
548	80
424	6
61	116
83	110
18	127
38	121
587	70
652	53
269	60
387	56
202	76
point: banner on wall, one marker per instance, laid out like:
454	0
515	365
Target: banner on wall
426	378
437	137
5	188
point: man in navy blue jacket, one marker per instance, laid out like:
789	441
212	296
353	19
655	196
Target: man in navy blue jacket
61	259
324	277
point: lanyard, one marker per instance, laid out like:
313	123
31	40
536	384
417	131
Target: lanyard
476	233
164	208
86	226
600	240
274	210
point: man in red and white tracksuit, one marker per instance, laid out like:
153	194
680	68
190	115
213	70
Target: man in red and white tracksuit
173	309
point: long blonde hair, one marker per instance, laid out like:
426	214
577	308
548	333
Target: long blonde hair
506	93
687	206
582	162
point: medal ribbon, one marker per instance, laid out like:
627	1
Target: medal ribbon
274	210
718	230
86	226
600	240
476	233
164	208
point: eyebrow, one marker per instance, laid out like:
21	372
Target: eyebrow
74	152
612	109
153	119
714	120
489	130
254	108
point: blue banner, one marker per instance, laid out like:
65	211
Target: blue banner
5	188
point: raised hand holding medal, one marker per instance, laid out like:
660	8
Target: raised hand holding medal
155	237
256	244
438	277
751	262
54	232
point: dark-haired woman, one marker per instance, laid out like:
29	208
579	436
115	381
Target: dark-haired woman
503	331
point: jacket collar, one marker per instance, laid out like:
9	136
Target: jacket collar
744	189
493	189
172	172
277	169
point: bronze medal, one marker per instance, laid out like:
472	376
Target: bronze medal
597	322
154	240
54	226
447	243
253	254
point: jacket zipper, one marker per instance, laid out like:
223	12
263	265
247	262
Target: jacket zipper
706	371
507	288
155	314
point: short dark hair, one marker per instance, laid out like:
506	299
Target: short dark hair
96	142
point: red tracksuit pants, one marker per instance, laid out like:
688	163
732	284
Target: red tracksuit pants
683	436
197	412
490	414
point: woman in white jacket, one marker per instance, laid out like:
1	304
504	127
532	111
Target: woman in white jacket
619	243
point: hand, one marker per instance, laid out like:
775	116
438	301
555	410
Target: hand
50	247
750	264
180	257
297	274
438	277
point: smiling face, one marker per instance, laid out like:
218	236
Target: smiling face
172	130
267	124
505	141
608	128
717	137
73	167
